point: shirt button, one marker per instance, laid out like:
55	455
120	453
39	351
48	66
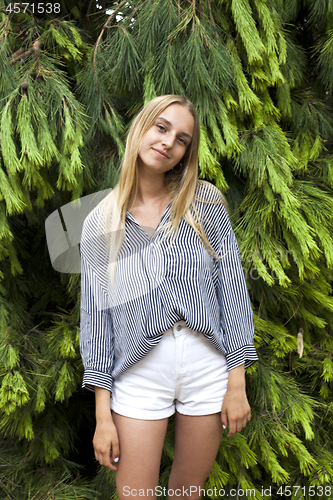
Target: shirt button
178	327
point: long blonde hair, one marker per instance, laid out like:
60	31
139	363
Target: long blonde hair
181	185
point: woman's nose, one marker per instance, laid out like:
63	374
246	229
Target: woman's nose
168	140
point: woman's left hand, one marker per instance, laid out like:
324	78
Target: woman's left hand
235	407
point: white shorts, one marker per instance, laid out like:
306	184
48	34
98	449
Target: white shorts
184	372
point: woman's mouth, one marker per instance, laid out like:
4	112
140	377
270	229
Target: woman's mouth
160	153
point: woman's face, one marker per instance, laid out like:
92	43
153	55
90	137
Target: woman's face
166	141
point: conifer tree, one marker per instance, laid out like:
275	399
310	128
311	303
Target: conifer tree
260	74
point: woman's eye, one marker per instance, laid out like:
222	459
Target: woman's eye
162	129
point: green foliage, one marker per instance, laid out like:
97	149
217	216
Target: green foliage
260	74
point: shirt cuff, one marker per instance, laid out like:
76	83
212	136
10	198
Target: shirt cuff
246	354
100	379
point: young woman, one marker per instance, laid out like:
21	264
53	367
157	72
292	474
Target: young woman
166	320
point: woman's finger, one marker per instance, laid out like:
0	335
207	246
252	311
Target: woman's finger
115	448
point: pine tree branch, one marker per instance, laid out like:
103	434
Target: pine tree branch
196	8
261	302
30	361
118	26
11	482
47	313
87	16
6	24
23	53
137	8
19	54
89	7
39	332
294	312
240	475
202	12
102	32
273	418
211	17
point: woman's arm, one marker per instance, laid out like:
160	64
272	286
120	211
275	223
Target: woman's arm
96	341
96	327
235	407
106	435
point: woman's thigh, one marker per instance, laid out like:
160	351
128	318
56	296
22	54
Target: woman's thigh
197	440
141	444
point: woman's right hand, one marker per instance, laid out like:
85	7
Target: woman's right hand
106	435
105	438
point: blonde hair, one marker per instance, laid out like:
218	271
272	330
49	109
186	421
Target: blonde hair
181	185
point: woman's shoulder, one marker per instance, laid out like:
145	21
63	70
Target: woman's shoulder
94	231
208	194
96	218
212	208
91	223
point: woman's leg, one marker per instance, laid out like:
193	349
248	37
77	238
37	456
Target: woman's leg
197	441
141	444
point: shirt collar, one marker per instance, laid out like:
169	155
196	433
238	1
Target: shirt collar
166	213
130	217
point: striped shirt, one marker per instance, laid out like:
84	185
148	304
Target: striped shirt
157	284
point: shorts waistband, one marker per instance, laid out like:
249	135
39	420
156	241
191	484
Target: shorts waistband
180	328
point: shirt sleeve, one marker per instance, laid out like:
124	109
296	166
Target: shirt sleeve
236	316
96	330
